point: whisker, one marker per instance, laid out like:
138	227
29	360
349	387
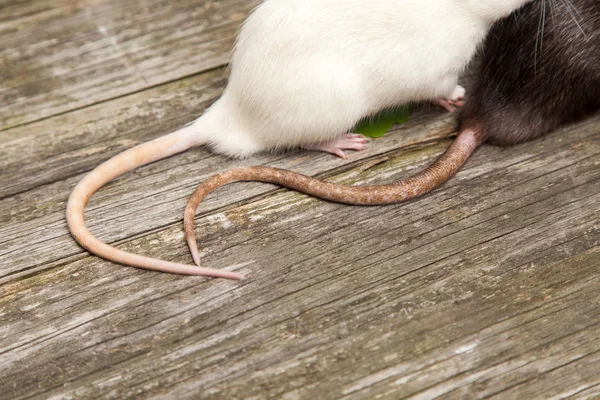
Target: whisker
575	9
552	10
539	41
570	8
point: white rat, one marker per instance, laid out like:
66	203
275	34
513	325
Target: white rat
303	73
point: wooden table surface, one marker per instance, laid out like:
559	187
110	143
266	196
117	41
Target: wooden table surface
486	288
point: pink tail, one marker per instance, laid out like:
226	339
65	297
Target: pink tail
145	153
423	182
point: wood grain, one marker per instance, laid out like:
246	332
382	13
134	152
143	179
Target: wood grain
489	278
60	56
486	288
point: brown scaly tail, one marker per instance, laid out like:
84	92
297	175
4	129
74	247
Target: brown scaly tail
145	153
425	181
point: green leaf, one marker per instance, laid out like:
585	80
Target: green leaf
376	126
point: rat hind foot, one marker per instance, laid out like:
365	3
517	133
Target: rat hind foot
454	101
350	141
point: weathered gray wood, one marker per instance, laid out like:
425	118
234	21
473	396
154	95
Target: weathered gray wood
486	288
63	146
58	56
482	287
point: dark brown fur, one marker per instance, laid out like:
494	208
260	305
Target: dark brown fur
540	70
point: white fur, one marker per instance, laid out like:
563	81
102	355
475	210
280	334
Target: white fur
306	71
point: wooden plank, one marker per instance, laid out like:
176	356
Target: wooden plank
58	56
154	195
486	287
65	146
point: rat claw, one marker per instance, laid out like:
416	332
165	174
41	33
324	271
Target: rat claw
338	152
446	105
452	102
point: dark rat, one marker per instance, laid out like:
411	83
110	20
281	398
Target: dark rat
540	70
303	73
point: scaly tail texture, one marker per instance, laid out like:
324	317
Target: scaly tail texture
423	182
145	153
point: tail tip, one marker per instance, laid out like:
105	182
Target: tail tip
193	246
230	275
195	256
239	277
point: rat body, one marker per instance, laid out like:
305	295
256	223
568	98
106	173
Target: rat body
303	73
540	70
